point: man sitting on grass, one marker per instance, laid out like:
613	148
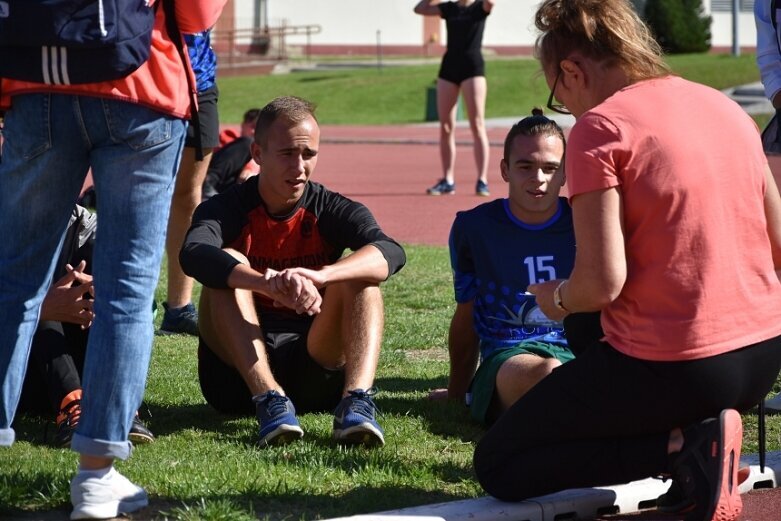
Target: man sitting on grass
284	318
497	249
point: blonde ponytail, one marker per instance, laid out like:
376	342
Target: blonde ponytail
609	31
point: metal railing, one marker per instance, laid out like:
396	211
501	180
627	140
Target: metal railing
239	45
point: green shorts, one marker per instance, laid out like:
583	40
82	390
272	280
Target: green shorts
484	382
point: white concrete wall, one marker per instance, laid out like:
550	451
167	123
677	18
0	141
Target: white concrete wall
356	22
721	30
511	23
351	22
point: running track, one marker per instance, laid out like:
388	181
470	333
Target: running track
389	168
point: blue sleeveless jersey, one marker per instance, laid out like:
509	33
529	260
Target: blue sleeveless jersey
202	58
495	257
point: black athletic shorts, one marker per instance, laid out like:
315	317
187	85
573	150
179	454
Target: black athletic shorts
209	120
456	69
309	386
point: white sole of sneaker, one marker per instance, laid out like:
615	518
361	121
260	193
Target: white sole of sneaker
109	509
139	439
363	434
163	332
282	435
728	504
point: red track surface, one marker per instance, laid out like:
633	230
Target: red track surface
389	168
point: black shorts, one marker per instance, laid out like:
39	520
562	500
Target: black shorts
209	120
309	386
457	68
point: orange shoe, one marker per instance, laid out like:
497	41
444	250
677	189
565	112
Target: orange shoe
707	468
68	418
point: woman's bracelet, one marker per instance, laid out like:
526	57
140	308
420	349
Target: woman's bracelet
557	296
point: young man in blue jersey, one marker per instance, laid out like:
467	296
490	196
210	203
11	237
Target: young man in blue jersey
496	250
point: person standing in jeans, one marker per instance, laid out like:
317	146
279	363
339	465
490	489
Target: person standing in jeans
130	131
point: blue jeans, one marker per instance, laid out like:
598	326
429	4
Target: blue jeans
50	143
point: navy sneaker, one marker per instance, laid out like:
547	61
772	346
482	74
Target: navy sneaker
277	418
183	320
481	189
354	419
442	188
139	432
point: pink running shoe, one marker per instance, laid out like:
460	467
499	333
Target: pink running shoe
707	468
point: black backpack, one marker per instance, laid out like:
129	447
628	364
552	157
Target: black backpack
62	42
68	42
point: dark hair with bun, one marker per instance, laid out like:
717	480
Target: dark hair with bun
535	125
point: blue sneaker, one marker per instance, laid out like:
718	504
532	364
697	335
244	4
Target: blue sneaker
481	189
183	320
354	419
442	188
277	418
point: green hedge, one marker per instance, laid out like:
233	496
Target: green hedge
680	26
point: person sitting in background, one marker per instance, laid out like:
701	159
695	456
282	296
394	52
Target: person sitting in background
232	163
247	128
53	380
284	318
532	229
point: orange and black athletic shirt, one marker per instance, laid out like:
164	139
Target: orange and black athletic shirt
314	234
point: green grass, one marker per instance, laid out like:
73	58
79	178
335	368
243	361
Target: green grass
204	465
397	94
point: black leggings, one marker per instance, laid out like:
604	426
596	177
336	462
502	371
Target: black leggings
605	418
55	365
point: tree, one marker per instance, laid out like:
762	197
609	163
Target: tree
680	26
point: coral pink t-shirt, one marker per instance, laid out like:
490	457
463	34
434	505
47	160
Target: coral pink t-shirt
689	165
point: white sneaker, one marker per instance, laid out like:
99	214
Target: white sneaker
106	497
773	404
